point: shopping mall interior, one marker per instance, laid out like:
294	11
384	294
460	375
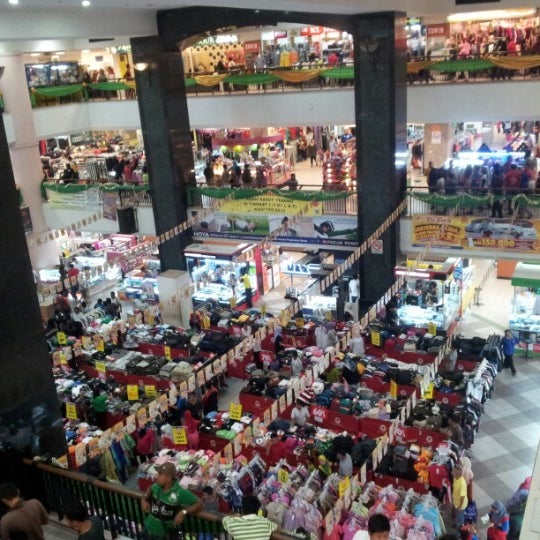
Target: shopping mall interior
257	207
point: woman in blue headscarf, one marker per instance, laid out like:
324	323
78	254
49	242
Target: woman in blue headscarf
499	522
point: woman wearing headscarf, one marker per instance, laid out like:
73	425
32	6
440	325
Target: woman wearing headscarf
499	522
468	474
516	508
192	430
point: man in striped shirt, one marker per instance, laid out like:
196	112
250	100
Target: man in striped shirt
250	526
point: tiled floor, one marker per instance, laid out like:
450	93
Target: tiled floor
505	447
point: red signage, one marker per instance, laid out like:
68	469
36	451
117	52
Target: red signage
252	46
280	34
312	30
441	30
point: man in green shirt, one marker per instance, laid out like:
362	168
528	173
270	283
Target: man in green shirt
166	504
250	526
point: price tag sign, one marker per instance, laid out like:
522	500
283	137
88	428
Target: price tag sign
86	342
168	353
142	416
101	367
100	345
62	358
282	403
375	338
428	394
71	411
131	425
179	435
343	486
283	476
150	390
132	392
235	411
432	328
393	389
273	411
200	377
61	338
208	373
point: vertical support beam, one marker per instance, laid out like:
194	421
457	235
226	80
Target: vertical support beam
167	140
381	116
30	420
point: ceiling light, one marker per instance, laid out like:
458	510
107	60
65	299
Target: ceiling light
141	66
491	15
85	3
13	2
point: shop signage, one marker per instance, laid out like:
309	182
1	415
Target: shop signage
61	338
179	435
26	219
481	234
377	247
432	328
252	46
101	367
438	30
393	389
100	344
375	338
167	352
413	21
279	34
83	199
109	205
343	486
312	30
428	394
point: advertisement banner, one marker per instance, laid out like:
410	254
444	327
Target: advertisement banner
77	199
272	204
322	230
469	233
110	202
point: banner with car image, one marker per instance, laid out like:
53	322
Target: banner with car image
327	230
470	233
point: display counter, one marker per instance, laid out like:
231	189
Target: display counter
137	287
433	293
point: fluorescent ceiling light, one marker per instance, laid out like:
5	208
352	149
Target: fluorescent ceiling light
491	15
13	2
85	3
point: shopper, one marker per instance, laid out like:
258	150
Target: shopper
455	432
345	463
248	291
73	277
299	415
276	449
291	183
22	516
508	346
499	520
114	300
378	529
354	289
210	399
167	504
89	528
209	499
192	430
250	526
459	496
146	441
516	508
312	152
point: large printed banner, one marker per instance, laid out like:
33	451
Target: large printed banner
325	230
86	198
269	203
470	233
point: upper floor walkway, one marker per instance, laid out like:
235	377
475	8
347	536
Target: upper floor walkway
471	90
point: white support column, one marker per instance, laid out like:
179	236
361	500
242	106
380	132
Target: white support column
24	154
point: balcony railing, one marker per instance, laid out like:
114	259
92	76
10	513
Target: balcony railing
117	507
471	202
441	69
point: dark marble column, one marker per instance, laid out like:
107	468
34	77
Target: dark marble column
167	140
30	421
381	116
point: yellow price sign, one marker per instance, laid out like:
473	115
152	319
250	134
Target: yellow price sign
132	392
375	338
101	367
150	390
393	389
235	411
71	411
428	394
179	435
100	345
168	353
283	476
63	359
87	342
61	338
432	328
343	486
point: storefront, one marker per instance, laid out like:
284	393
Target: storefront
432	296
525	317
216	271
